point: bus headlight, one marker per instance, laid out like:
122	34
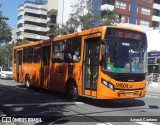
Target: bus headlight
111	87
108	84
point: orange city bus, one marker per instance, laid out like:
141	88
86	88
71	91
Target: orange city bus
107	62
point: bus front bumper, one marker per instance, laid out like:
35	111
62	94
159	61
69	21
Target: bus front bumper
120	94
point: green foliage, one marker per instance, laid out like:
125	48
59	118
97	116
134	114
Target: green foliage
82	19
24	41
5	31
108	17
86	21
6	53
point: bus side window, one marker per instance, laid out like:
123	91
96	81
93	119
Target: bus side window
68	53
58	52
37	53
24	55
29	54
76	49
15	51
73	49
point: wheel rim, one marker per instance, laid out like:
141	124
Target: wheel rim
27	83
73	92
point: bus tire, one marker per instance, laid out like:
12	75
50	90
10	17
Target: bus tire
27	82
72	91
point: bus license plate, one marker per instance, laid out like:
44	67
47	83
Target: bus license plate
129	93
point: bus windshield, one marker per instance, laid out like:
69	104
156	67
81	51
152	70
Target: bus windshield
124	55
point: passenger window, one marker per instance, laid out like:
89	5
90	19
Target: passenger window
72	50
15	51
37	53
24	55
58	52
29	54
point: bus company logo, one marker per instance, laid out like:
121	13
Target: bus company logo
6	119
124	85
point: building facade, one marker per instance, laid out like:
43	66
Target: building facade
52	8
32	21
138	12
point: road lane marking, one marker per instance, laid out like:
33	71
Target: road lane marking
145	123
43	104
78	102
104	124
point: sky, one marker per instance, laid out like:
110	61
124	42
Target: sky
9	9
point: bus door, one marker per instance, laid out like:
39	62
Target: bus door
45	64
90	66
19	65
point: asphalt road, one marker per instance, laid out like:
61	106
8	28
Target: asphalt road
53	108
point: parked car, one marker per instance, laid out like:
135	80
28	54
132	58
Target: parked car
6	73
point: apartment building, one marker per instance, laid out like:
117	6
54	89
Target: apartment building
156	14
52	8
139	12
32	20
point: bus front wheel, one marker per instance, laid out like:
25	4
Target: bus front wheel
72	91
27	82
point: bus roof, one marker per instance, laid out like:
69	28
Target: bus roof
81	33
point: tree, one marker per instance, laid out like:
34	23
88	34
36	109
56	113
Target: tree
87	19
108	17
5	30
84	18
24	41
6	53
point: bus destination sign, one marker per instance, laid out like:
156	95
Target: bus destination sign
125	33
128	35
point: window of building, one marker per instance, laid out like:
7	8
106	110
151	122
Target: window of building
157	1
144	22
120	17
155	24
149	1
20	17
146	11
19	33
110	2
156	12
20	25
34	8
120	4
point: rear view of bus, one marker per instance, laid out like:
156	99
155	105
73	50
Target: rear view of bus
123	64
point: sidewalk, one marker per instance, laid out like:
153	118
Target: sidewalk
153	89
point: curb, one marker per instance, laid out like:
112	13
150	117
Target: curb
153	94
